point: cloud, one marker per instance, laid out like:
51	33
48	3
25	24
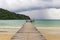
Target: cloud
51	13
15	5
22	4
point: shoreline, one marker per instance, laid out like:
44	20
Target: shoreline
50	33
36	27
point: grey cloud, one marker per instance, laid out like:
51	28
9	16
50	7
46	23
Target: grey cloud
36	14
47	0
14	5
51	13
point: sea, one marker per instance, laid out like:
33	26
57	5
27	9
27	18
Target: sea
37	23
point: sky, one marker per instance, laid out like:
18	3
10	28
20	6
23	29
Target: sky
35	9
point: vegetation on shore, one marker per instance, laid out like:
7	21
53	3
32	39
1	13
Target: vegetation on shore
7	15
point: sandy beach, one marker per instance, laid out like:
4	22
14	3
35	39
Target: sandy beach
47	33
50	33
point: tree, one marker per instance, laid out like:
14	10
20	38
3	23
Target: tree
5	14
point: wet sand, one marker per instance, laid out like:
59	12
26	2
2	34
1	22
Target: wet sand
50	34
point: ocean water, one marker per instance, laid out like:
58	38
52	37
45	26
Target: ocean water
37	23
47	23
11	23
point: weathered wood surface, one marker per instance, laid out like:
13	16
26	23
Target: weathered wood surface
28	32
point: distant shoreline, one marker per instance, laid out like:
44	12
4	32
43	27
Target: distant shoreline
48	19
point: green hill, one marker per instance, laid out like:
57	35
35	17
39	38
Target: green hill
7	15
